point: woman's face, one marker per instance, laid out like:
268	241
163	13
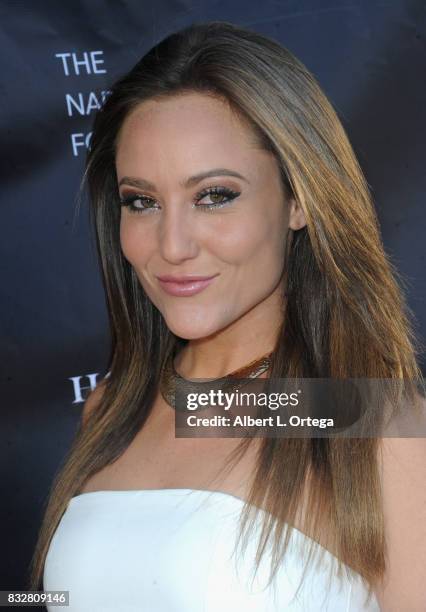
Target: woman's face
230	225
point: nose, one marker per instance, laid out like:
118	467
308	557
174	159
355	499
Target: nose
177	239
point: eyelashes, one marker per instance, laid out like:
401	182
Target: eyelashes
147	203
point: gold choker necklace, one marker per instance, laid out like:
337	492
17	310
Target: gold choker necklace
172	382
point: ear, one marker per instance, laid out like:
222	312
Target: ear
297	218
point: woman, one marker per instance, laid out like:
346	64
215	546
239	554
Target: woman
218	156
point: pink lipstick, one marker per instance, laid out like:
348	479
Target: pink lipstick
184	286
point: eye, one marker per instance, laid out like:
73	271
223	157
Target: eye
219	196
129	202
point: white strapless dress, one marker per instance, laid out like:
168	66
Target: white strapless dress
171	550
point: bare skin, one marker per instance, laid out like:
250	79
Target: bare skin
157	460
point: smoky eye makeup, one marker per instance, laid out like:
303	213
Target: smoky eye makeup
219	197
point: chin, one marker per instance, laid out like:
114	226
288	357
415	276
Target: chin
190	332
190	328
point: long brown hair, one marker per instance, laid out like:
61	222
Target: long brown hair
352	321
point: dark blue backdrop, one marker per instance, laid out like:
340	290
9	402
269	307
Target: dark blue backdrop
57	60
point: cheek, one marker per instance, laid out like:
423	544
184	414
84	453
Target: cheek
134	243
257	241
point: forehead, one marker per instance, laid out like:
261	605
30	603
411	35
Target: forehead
190	122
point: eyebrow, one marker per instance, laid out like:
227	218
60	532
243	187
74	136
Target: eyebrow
189	182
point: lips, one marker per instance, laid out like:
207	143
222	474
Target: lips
183	279
184	286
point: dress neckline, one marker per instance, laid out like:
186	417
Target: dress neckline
81	497
117	492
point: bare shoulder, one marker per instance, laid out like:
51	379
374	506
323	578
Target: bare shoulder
402	464
93	399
